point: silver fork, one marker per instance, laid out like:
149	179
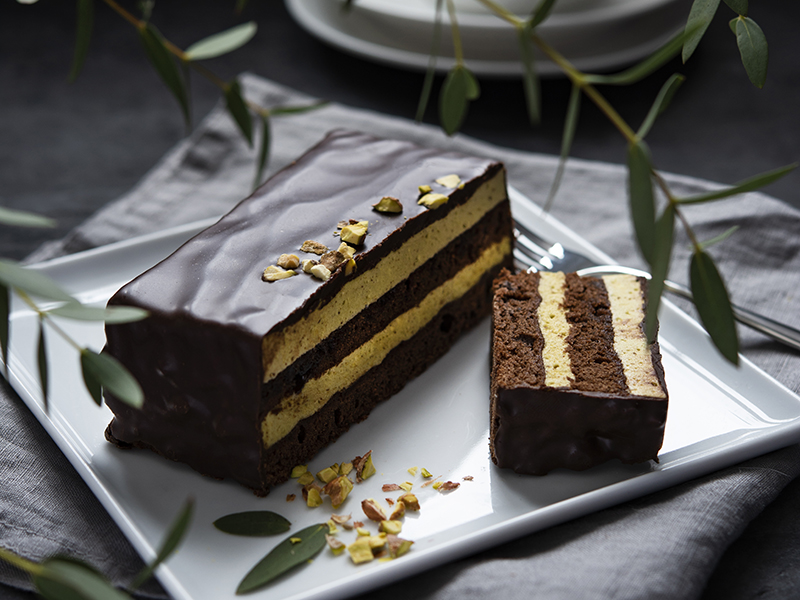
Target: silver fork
534	253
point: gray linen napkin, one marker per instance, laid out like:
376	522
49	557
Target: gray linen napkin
662	546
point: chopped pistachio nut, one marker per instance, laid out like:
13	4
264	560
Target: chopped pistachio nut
289	261
350	267
346	250
390	487
373	510
358	524
433	200
327	474
332	529
407	485
314	498
392	526
290	497
345	468
388	204
314	247
320	272
295	540
398	512
424	189
426	474
307	264
338	490
363	532
467	478
397	546
355	233
340	519
337	546
299	470
305	478
274	273
364	467
360	551
331	260
437	484
410	501
449	181
413	470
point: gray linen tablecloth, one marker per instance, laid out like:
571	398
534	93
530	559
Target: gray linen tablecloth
662	546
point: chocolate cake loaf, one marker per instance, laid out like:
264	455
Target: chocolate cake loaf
574	382
345	275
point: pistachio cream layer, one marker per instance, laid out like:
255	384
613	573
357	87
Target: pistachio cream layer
283	347
316	392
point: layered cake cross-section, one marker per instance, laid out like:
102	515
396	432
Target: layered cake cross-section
574	382
345	275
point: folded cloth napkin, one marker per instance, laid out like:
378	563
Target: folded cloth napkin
665	545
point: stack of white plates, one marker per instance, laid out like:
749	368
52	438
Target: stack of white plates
593	34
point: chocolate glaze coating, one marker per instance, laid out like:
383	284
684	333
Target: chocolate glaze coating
198	356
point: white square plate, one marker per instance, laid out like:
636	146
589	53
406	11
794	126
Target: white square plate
719	415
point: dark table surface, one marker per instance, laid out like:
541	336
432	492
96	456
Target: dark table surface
68	149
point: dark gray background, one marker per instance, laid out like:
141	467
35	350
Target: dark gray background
67	149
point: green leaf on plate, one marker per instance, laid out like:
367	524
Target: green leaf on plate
83	35
41	362
295	550
255	523
108	372
237	108
570	125
164	64
748	185
713	305
430	72
661	102
171	541
642	202
22	218
659	268
222	43
263	152
530	80
5	313
32	282
111	314
719	238
66	578
700	16
753	49
541	12
740	7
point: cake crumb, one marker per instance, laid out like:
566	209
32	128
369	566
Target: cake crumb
290	497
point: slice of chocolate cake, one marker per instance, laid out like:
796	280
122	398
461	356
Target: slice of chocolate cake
288	320
574	382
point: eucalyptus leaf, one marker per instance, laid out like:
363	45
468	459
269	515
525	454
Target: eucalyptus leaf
22	218
719	238
5	313
740	7
285	556
700	16
642	202
83	35
570	125
164	64
65	578
659	268
453	100
427	85
41	363
732	24
541	12
237	108
31	281
255	523
753	49
171	541
111	314
473	87
110	374
91	382
713	305
263	152
661	102
748	185
222	43
530	80
296	110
